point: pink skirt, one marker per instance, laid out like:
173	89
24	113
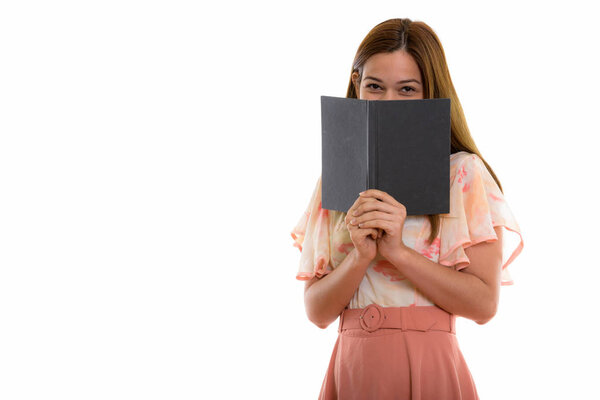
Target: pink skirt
397	353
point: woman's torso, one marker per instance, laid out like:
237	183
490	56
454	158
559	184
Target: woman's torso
383	284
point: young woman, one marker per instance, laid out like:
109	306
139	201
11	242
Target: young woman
397	282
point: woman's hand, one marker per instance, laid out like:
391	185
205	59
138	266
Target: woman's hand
376	209
364	239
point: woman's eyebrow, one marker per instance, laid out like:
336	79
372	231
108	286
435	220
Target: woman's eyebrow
402	81
409	80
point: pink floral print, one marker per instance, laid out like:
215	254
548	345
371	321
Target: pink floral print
389	270
433	250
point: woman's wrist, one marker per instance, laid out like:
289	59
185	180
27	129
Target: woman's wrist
360	260
401	255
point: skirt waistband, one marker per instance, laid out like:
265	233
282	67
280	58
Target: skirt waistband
419	318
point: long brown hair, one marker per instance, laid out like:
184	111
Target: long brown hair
421	42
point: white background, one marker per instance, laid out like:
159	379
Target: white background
155	156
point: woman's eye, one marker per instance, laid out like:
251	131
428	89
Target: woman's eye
373	86
409	89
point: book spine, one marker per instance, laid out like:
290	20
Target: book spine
372	143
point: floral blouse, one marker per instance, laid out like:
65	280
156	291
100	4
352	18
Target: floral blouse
476	206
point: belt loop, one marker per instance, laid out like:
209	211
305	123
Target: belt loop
403	318
341	321
452	323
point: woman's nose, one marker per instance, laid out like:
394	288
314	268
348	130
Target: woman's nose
390	95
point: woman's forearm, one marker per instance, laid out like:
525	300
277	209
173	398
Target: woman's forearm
456	292
327	297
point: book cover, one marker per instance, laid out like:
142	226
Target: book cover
401	147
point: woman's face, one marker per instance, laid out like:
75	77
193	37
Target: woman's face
390	76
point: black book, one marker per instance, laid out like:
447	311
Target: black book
401	147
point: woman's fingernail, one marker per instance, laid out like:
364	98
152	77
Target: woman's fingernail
353	221
361	192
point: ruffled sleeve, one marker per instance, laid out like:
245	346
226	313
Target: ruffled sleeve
311	237
477	206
